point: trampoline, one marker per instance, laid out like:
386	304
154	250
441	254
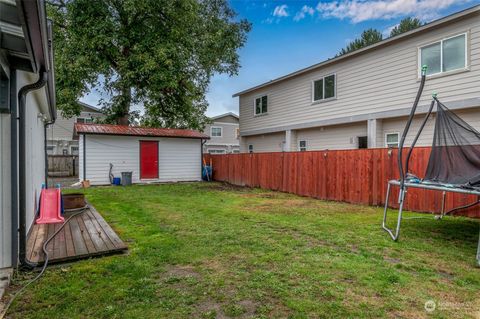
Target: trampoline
453	166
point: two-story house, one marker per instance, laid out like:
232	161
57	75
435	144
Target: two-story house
224	134
60	136
362	99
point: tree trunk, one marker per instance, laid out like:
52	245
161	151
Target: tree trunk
123	113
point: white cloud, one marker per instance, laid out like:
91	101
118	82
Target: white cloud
386	32
362	10
280	11
303	13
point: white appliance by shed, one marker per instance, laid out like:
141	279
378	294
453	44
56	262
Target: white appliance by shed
151	154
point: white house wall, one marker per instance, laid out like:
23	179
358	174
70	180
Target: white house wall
36	107
179	158
335	137
5	193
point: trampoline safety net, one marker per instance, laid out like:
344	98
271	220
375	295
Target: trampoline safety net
455	156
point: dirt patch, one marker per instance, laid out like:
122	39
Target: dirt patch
180	271
392	260
242	309
225	187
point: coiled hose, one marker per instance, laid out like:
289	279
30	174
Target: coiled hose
77	211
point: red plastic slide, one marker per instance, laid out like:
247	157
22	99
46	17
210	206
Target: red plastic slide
50	206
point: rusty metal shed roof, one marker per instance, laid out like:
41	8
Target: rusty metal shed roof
109	129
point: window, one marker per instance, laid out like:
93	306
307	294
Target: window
50	149
324	88
391	139
261	105
302	146
216	131
237	133
74	150
236	151
445	55
250	148
362	141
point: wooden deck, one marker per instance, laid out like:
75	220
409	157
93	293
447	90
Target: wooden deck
85	235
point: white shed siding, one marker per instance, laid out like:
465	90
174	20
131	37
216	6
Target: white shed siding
5	194
382	80
179	158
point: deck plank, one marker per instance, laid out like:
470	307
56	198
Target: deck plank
101	233
77	238
85	235
70	248
119	244
94	235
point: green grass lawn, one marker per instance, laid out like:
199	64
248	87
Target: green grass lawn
204	250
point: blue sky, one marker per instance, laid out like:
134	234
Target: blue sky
289	35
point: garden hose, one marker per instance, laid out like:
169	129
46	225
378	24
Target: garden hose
77	211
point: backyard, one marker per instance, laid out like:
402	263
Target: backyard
210	250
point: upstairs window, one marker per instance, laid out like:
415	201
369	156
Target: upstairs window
445	55
261	105
324	88
391	140
216	131
302	146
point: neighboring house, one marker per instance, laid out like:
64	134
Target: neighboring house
27	105
224	135
151	154
362	99
60	136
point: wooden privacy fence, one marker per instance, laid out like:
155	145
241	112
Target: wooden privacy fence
62	165
353	176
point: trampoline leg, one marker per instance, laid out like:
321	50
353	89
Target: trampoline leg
478	251
399	219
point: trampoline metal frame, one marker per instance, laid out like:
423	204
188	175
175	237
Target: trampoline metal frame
401	199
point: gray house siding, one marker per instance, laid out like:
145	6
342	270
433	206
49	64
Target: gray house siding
374	90
229	141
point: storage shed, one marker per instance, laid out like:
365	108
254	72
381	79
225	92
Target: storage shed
151	154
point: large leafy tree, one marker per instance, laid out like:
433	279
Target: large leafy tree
157	53
405	25
369	36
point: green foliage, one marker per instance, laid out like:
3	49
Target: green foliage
405	25
368	37
157	53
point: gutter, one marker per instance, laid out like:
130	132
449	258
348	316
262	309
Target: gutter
22	182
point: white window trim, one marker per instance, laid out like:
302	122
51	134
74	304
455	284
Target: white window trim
390	133
441	40
211	131
313	89
300	148
255	108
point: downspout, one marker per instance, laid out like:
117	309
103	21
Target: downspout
22	183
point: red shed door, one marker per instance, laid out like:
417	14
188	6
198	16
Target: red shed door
148	159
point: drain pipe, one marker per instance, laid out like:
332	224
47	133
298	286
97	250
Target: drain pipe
22	98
